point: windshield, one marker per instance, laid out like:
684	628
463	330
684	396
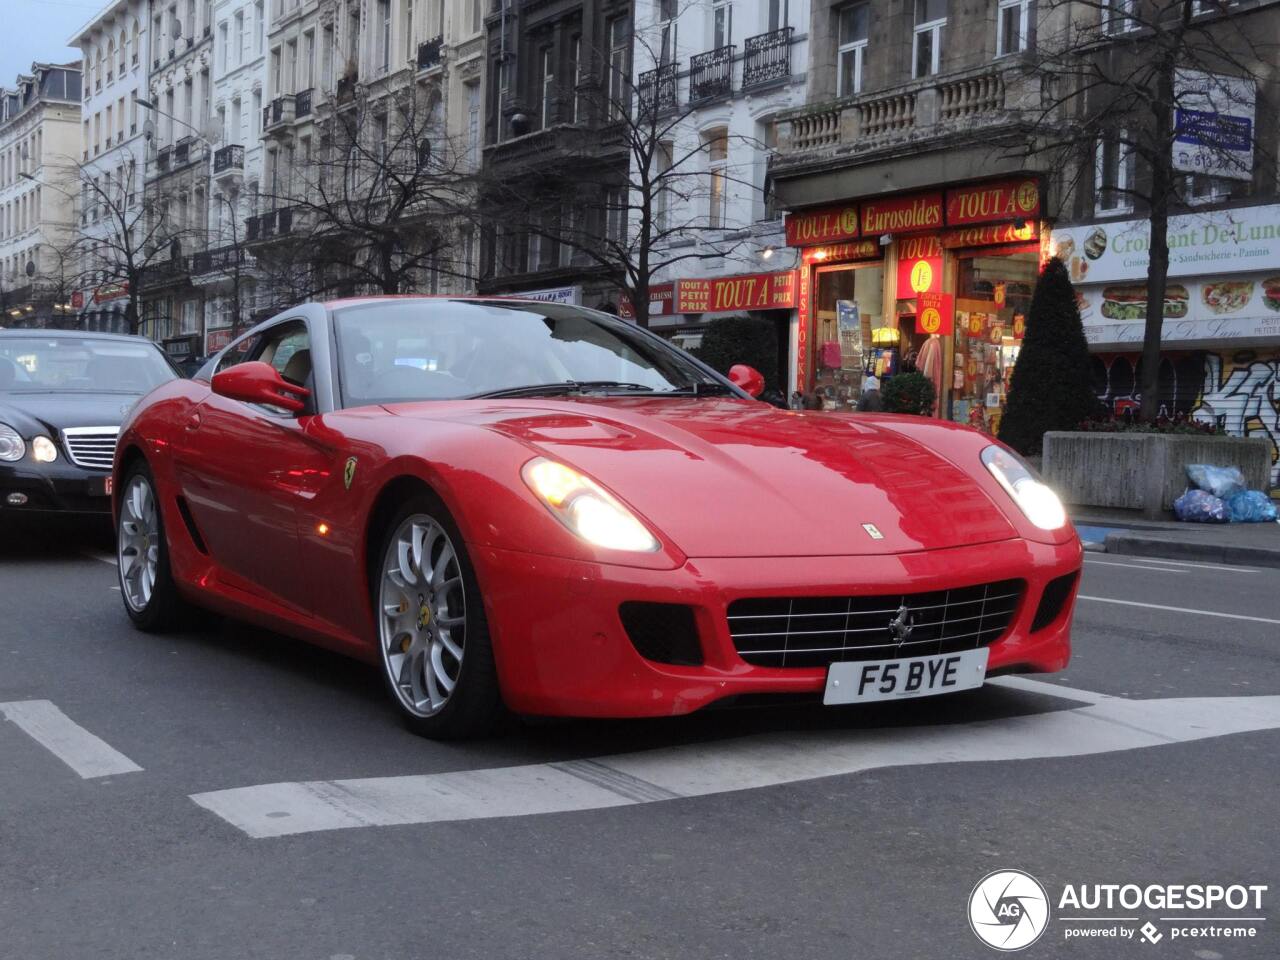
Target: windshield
450	349
80	365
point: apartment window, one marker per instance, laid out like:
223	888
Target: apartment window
616	219
662	161
768	137
384	38
124	48
223	41
575	56
467	241
137	43
326	58
291	67
721	23
477	15
308	59
473	123
716	144
853	48
222	125
1200	7
259	14
619	42
931	17
1014	21
667	14
240	37
257	113
548	87
537	243
275	70
1117	15
1113	175
380	133
1199	188
353	37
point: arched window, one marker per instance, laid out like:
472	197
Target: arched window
111	57
124	43
137	32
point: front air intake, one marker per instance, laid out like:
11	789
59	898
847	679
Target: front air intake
1053	599
663	632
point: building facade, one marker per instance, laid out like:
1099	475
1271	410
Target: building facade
112	157
722	73
39	137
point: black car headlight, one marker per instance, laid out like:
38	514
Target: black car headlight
12	446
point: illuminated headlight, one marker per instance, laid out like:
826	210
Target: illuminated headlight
43	450
582	506
11	446
1038	503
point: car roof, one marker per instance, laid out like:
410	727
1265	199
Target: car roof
28	332
473	298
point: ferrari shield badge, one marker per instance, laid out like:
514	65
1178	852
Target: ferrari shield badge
349	472
872	530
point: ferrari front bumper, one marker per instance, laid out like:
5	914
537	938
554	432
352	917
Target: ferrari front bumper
561	647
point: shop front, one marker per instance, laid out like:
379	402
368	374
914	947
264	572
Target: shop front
936	282
1220	338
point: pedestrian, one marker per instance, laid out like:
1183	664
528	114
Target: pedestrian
869	402
797	400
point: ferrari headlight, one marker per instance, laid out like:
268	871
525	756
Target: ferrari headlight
1038	503
586	509
11	446
43	450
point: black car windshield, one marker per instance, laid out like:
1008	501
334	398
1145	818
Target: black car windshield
80	365
395	351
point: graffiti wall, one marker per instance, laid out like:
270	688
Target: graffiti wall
1240	389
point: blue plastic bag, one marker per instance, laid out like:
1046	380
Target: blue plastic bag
1251	506
1222	482
1197	506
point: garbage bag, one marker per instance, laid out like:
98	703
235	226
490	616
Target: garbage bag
1199	506
1251	506
1222	482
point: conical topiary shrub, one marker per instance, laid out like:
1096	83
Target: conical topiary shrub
1051	387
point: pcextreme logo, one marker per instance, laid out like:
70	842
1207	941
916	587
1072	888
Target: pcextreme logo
1009	910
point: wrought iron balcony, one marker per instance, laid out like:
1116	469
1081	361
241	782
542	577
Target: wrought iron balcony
302	104
657	89
278	112
711	74
228	159
429	53
219	259
767	58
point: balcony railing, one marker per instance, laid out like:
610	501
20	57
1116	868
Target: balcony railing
711	74
228	159
278	111
657	88
429	53
181	152
302	104
222	258
346	89
968	101
767	58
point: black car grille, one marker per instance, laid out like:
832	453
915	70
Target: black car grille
815	631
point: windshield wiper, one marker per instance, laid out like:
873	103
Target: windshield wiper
705	388
564	387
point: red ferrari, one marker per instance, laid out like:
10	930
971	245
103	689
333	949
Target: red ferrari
535	507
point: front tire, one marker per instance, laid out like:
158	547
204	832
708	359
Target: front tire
433	637
142	556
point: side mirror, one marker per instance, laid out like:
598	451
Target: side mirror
258	382
746	378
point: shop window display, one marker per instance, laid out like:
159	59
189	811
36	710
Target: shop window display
993	295
849	306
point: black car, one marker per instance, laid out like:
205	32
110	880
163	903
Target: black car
63	396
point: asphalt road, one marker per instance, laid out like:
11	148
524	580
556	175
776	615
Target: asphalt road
867	833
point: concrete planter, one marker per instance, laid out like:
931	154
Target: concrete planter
1143	471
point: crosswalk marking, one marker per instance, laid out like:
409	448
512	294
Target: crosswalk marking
1104	725
86	754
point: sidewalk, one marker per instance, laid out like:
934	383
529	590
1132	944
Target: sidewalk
1117	531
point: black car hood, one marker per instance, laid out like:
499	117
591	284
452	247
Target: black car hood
34	412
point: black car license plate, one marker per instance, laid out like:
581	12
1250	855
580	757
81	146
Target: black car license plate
100	486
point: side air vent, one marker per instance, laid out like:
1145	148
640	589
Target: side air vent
190	523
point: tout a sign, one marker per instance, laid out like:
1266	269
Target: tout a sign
935	313
919	266
752	291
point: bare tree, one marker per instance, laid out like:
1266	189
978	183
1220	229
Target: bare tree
374	208
1137	77
632	188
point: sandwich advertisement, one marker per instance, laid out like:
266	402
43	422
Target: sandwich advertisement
1200	245
1215	308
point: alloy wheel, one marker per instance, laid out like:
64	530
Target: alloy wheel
422	618
138	543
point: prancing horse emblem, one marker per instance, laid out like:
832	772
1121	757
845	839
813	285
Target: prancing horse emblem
873	531
349	472
902	625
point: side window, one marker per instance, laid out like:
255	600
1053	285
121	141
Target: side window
291	355
246	349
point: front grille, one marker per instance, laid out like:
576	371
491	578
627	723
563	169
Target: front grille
815	631
91	447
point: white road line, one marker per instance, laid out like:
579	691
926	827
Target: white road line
1136	566
86	754
1220	567
102	558
1161	606
1111	724
1050	689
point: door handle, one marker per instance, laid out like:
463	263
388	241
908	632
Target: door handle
193	422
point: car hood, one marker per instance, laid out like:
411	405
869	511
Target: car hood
56	411
737	478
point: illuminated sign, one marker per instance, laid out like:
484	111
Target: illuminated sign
1014	199
935	313
919	266
827	225
753	291
922	211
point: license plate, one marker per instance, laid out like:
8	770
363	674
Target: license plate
868	680
100	486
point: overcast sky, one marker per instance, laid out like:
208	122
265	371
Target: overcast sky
37	30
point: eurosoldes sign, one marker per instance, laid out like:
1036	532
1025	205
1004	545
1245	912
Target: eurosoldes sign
1200	244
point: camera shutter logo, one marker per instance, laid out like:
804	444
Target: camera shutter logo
1008	910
